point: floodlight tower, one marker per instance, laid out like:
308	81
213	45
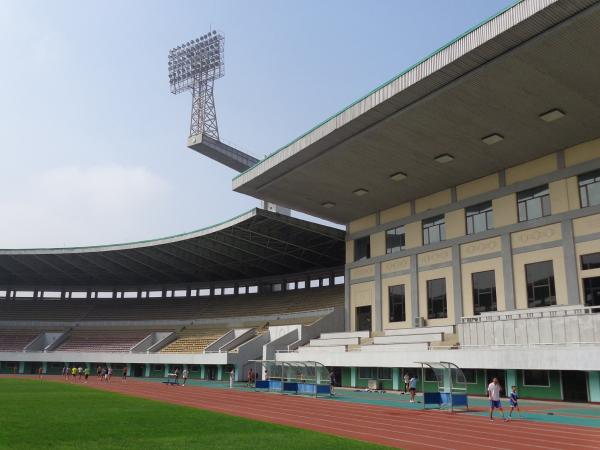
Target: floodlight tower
194	66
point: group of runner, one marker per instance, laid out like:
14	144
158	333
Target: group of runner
81	374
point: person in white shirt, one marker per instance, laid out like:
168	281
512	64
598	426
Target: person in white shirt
184	375
494	389
231	375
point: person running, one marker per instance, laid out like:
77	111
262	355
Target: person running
103	374
514	402
40	372
124	375
74	373
494	389
412	388
250	377
406	381
86	374
184	376
66	373
231	376
99	372
108	374
80	373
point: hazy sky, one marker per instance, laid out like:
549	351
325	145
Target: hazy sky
92	143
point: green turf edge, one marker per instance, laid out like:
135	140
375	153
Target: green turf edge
53	415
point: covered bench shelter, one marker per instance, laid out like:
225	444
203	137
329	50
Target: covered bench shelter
293	377
450	390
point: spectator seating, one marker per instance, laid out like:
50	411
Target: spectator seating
16	340
101	341
193	340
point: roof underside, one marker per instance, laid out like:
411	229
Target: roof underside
498	78
254	245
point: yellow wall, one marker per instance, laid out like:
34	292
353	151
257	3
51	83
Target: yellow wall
395	265
414	234
395	213
531	169
361	294
455	224
586	225
362	224
505	210
385	299
483	247
551	254
349	251
436	257
534	236
378	244
445	272
582	152
468	269
433	201
477	187
362	272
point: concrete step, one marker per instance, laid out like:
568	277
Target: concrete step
432	337
424	330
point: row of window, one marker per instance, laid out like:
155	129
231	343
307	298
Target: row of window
540	290
531	204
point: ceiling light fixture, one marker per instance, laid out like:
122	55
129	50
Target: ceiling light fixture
360	192
552	115
327	204
492	139
445	158
398	176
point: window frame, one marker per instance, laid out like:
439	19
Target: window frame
595	176
436	222
395	249
403	315
583	264
493	291
484	208
367	255
551	285
524	197
428	284
584	290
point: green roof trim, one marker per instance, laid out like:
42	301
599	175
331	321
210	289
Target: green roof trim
404	72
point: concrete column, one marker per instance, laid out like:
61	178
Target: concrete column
414	288
347	308
219	372
353	376
88	365
507	268
568	241
378	306
396	378
457	284
511	380
166	370
129	372
44	367
147	370
236	373
594	384
22	367
202	372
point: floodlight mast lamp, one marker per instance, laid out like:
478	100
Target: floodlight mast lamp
194	66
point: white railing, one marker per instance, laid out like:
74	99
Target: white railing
543	312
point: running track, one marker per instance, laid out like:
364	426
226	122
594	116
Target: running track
395	427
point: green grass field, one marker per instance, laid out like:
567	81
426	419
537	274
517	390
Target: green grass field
43	414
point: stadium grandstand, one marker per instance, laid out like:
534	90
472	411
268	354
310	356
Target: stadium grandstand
469	188
210	300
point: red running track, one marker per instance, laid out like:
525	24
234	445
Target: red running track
395	427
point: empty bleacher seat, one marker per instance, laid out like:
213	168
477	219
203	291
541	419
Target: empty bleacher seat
102	341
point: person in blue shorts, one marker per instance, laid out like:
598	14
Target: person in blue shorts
514	402
494	389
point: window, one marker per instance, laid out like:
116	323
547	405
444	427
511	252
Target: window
338	280
384	373
301	285
242	290
590	261
589	189
325	282
540	284
314	283
434	230
484	291
290	286
436	299
470	375
591	291
536	378
397	303
362	248
394	240
533	203
430	375
253	289
229	291
157	367
479	218
366	373
276	287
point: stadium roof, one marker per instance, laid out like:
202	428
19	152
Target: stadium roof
255	244
499	77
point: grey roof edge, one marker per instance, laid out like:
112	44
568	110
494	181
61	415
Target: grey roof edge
483	32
